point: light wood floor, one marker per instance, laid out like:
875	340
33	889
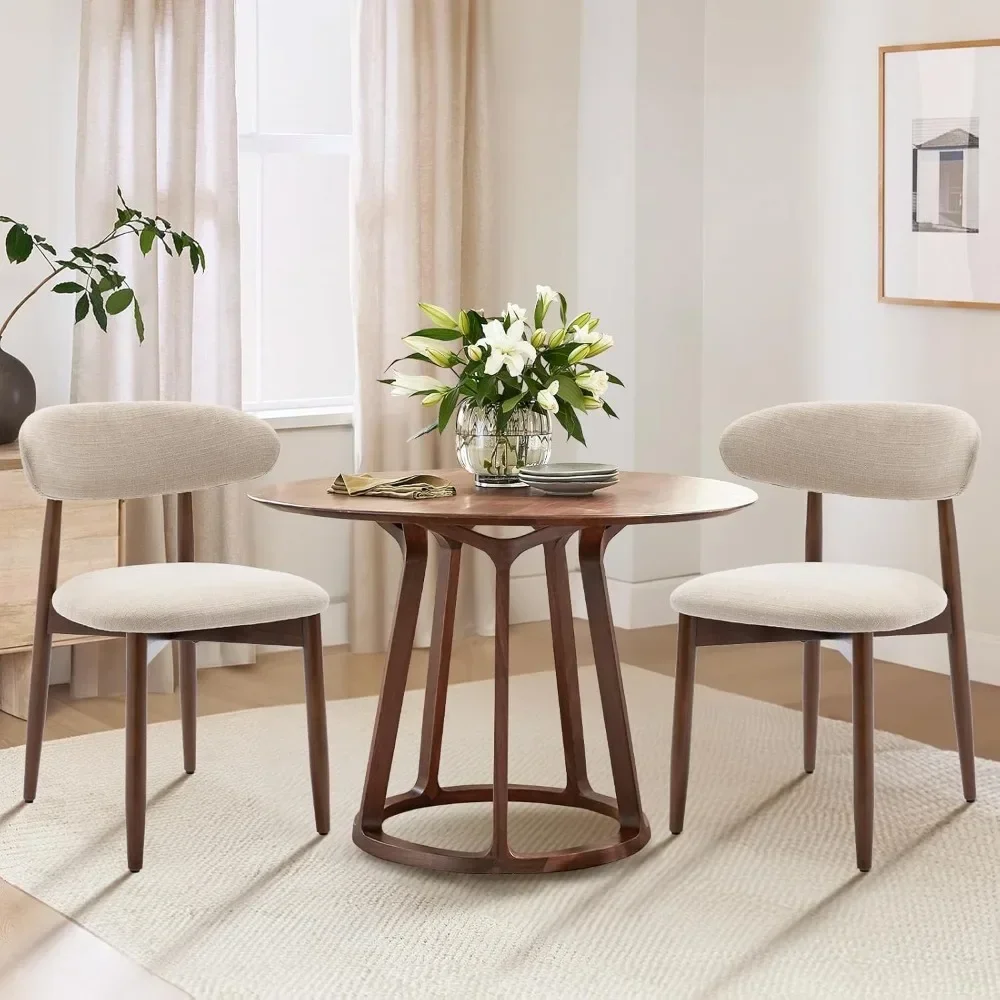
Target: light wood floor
41	951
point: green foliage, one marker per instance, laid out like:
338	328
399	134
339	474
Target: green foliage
100	285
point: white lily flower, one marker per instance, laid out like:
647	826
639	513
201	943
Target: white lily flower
434	350
595	382
603	343
546	294
508	348
546	398
584	335
407	385
514	312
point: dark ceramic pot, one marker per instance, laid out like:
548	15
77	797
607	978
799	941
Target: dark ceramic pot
17	396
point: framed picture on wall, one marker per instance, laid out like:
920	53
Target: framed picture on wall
939	174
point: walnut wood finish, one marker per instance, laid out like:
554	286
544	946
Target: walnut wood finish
863	719
38	698
950	622
301	632
958	656
638	498
811	648
187	657
135	749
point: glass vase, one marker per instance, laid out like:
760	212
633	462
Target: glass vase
495	457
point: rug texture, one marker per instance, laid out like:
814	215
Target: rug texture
759	897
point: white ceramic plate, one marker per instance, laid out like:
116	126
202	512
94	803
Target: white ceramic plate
574	470
542	480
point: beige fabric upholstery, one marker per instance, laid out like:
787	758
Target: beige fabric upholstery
180	597
122	451
821	597
893	451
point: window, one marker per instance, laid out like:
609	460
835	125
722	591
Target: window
293	84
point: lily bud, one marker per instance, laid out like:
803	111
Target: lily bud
538	338
579	353
557	338
600	346
475	353
590	403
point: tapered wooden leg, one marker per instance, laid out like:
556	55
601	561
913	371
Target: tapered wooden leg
564	654
864	747
319	754
188	677
41	650
680	742
135	748
501	712
413	541
810	703
958	654
593	542
438	665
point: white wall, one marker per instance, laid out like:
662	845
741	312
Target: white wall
790	282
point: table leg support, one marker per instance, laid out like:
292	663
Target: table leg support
501	714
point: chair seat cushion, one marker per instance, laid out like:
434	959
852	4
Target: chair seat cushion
820	597
181	597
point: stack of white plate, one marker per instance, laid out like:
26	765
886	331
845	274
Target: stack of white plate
569	479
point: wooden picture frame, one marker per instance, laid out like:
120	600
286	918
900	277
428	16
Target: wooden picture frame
971	142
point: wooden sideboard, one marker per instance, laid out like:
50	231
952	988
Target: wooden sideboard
91	539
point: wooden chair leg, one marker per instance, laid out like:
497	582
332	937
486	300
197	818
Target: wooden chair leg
863	689
680	750
38	698
188	677
810	703
135	748
319	755
961	697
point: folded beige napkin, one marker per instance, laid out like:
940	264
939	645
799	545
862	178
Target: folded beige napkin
414	487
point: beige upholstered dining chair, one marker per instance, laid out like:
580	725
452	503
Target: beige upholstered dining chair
900	451
124	451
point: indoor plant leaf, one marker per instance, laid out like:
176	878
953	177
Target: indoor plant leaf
65	287
19	244
140	327
82	308
448	402
570	391
437	333
97	306
423	430
119	301
146	238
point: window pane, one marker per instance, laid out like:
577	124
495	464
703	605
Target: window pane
304	65
305	292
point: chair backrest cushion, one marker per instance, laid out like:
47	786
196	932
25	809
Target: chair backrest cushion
893	451
122	451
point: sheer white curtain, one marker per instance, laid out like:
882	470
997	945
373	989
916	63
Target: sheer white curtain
157	116
420	207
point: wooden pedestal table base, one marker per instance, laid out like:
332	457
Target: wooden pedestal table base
552	521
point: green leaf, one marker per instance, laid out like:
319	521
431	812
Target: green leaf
82	308
179	243
66	287
4	218
424	430
19	244
83	252
48	248
107	258
571	423
146	238
441	317
562	309
570	391
436	333
97	305
119	301
448	404
611	413
71	264
106	283
513	402
140	327
194	260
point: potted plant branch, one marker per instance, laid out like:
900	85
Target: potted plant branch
94	276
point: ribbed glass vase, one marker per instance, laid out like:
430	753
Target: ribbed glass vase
495	457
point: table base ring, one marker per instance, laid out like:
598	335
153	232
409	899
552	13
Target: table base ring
500	861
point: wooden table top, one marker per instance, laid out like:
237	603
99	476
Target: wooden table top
638	498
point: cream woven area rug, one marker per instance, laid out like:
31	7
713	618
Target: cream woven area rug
758	898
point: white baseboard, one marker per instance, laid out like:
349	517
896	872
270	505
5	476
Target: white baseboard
930	652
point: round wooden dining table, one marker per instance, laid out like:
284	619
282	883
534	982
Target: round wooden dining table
452	522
